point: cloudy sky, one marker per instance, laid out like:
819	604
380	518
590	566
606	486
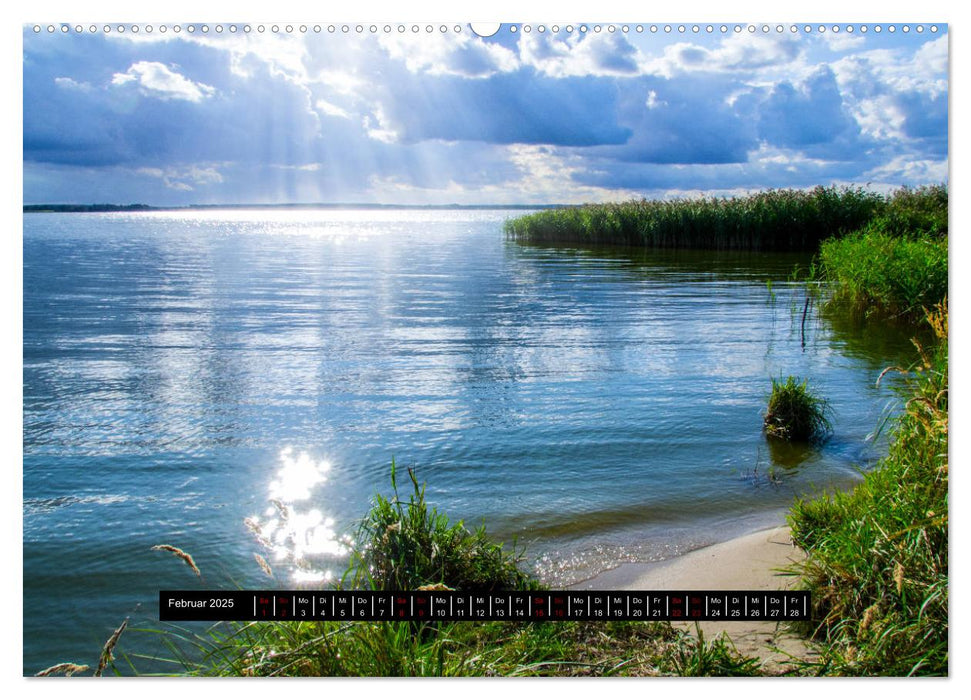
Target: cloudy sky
537	117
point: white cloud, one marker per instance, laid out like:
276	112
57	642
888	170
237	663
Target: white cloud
932	57
341	81
874	82
905	168
925	70
449	54
580	55
71	84
179	178
739	52
159	81
378	128
550	176
331	110
841	41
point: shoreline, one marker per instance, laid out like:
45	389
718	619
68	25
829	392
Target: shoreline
746	562
749	562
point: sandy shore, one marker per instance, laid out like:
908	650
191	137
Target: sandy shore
750	562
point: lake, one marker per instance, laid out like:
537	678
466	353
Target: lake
189	377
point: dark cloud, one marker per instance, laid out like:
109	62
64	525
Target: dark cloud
805	115
683	120
660	178
520	107
925	119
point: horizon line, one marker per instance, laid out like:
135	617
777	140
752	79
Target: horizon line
106	207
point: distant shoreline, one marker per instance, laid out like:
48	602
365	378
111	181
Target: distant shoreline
101	208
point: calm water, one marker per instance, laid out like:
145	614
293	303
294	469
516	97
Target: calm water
182	370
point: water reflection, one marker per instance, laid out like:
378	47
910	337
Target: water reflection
789	454
298	534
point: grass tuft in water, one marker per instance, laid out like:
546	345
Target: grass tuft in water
795	413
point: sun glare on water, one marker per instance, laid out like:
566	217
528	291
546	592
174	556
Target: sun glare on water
293	529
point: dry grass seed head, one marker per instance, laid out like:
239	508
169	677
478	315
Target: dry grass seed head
263	565
898	577
106	655
68	669
184	556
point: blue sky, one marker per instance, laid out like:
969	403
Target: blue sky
173	119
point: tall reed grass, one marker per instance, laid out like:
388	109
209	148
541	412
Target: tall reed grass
875	271
775	220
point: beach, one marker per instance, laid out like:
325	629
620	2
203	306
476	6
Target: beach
751	562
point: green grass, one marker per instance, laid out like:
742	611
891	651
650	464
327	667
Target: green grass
915	213
781	220
405	545
507	649
878	556
795	413
875	271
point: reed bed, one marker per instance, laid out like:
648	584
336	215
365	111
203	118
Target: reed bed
897	264
775	220
492	649
872	271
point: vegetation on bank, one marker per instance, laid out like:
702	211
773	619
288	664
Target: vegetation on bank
879	254
500	649
406	546
878	555
795	413
775	220
873	271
